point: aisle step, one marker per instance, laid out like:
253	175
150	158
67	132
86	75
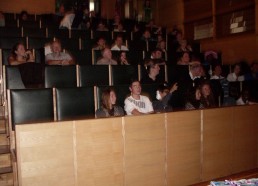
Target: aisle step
6	179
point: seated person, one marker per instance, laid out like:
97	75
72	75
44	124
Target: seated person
146	36
101	27
157	56
108	105
118	45
24	15
67	20
162	45
101	44
245	98
19	55
236	74
163	95
137	104
184	47
216	72
122	59
151	77
193	99
184	58
253	74
57	57
119	28
207	98
106	58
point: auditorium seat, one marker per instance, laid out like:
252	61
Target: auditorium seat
105	34
34	32
83	34
60	76
90	75
87	44
38	42
122	74
81	57
234	89
135	57
10	32
96	55
5	55
30	105
149	90
12	77
75	103
9	42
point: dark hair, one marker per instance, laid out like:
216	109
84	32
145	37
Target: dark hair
191	97
134	80
150	64
209	101
15	47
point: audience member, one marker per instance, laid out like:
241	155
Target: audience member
2	19
106	58
108	105
193	99
101	26
163	95
236	74
137	104
122	59
184	58
184	47
67	21
119	28
253	74
101	44
57	57
82	18
245	98
156	55
185	83
24	15
136	32
151	77
118	45
216	72
207	98
210	58
19	55
146	36
162	45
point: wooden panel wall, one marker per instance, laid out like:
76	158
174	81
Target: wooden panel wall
235	48
183	148
145	142
32	6
217	142
99	152
170	13
179	148
46	154
244	135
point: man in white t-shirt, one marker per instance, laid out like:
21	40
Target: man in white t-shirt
118	45
137	104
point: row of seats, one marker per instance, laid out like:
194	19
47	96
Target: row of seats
41	105
38	75
83	57
70	43
46	104
49	32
